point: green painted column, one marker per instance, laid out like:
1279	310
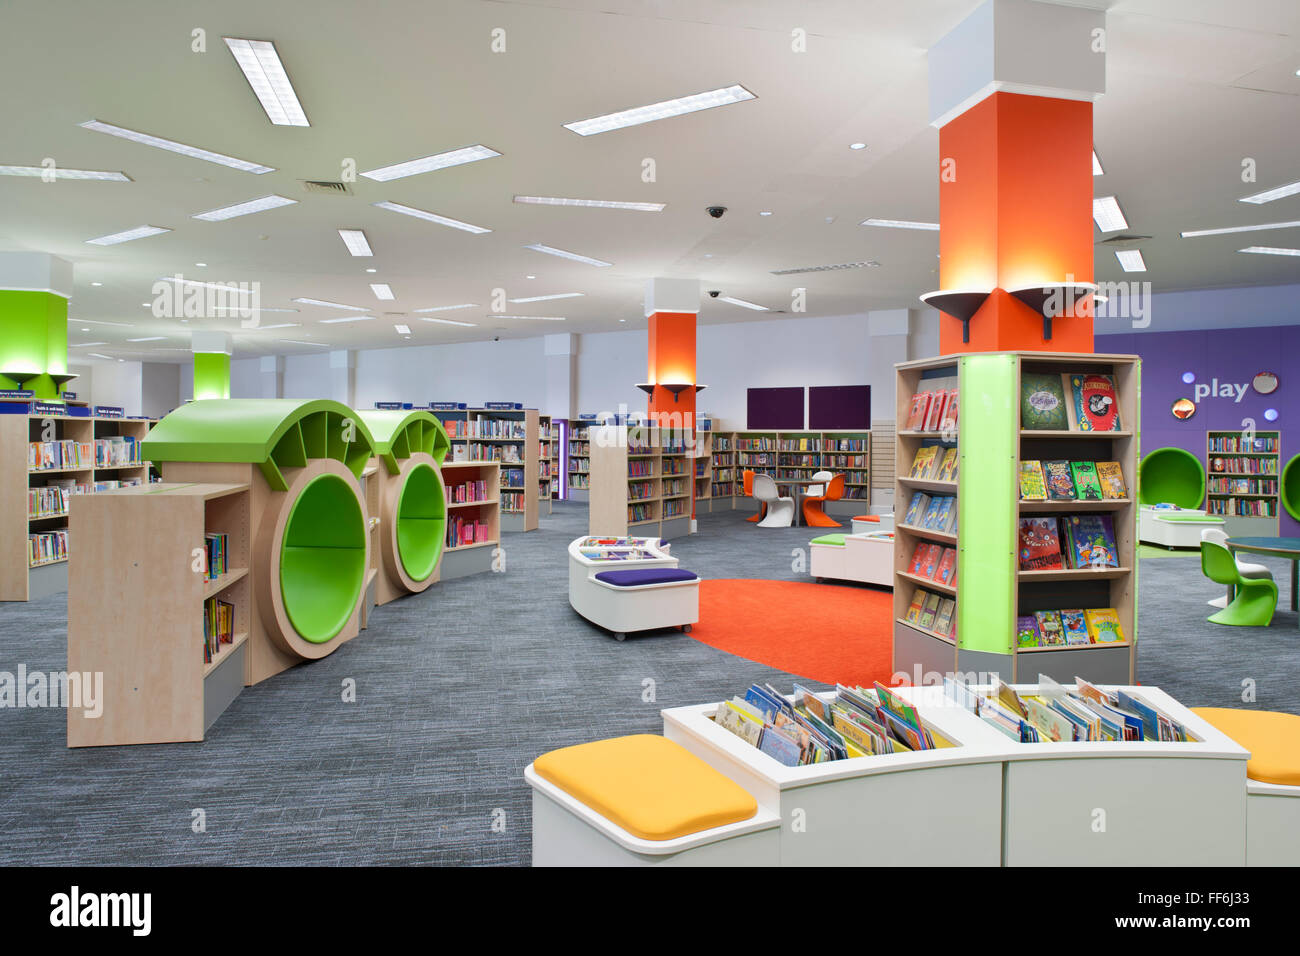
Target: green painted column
211	364
34	291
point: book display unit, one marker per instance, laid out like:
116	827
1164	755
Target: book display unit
578	462
473	517
641	481
792	458
1241	480
45	461
548	476
181	551
1064	554
510	438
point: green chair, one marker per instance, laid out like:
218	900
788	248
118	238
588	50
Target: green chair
1254	599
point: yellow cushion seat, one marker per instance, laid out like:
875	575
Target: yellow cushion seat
1273	740
653	788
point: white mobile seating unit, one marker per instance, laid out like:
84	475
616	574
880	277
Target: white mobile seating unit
631	584
867	557
1174	527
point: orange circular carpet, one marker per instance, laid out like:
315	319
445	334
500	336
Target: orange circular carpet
825	632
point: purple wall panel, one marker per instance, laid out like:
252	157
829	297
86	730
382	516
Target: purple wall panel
1231	356
839	406
774	408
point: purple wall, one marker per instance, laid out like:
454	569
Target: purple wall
1230	355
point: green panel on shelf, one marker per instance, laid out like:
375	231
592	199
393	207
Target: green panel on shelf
421	522
988	444
1171	476
289	451
400	433
211	375
322	558
250	430
1290	487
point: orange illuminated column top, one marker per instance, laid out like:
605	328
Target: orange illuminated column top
672	307
1012	89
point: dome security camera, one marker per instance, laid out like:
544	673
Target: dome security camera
716	211
714	293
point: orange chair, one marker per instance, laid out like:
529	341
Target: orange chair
749	493
813	514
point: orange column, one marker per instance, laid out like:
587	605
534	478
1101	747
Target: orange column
671	361
1015	211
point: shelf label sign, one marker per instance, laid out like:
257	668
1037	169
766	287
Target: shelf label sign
447	406
17	393
48	408
504	406
69	396
389	406
587	417
107	411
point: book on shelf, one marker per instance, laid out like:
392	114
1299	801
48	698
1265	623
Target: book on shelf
1087	484
1051	631
948	421
1060	480
59	455
948	466
926	462
1033	485
47	547
217	547
1089	541
934	414
1075	626
946	572
513	501
916	414
218	627
1104	626
1040	544
1026	631
1266	444
944	619
1111	476
463	531
929	610
48	501
913	613
1042	403
468	492
1093	404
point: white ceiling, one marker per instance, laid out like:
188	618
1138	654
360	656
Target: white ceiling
1193	87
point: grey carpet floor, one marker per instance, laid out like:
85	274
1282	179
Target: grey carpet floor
457	690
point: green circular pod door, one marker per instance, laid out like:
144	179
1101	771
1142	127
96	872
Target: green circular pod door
1290	487
323	558
421	518
1173	476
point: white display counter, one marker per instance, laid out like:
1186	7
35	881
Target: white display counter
625	609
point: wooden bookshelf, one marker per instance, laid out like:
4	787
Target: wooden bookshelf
578	460
990	447
792	458
509	437
548	437
1242	483
461	560
370	492
20	578
641	482
137	586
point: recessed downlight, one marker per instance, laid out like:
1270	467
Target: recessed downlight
1131	260
857	145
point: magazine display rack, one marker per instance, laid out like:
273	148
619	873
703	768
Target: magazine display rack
621	608
990	589
409	447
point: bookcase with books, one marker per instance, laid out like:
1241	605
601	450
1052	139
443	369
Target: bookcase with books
1044	541
725	483
179	553
793	457
46	459
579	460
548	433
509	437
472	490
641	481
1242	473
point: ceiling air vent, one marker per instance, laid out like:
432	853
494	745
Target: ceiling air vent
1123	242
325	188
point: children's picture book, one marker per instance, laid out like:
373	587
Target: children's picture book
932	511
948	423
923	461
1087	485
946	504
1042	403
947	572
916	414
930	565
1033	486
1104	626
1026	631
1091	541
918	557
948	467
929	610
1111	477
943	620
1040	544
917	508
1051	633
913	613
1075	626
1093	403
934	414
1060	483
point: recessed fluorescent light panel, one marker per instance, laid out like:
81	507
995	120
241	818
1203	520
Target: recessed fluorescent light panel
448	321
125	325
329	305
98	355
244	208
139	232
1107	215
413	167
901	224
1270	251
743	304
382	291
1131	260
85	344
1230	229
347	318
319	345
545	298
657	111
870	263
37	172
1096	165
536	318
432	217
591	203
266	75
552	251
403	329
266	328
150	338
355	240
173	146
244	308
1281	192
449	308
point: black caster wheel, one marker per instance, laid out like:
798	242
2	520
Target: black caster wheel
686	629
619	636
